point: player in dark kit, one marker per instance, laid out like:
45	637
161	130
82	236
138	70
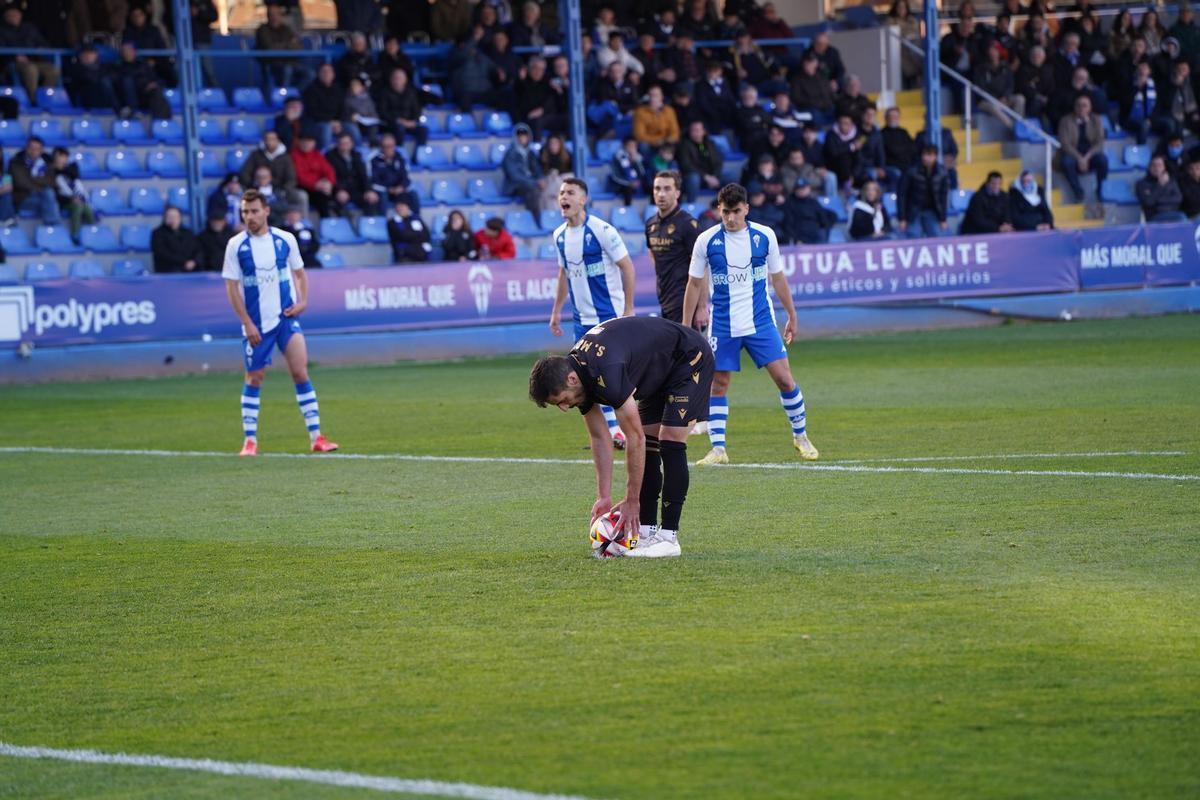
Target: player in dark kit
670	236
657	375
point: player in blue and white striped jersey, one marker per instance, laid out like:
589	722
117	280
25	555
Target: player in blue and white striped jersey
595	270
738	258
268	289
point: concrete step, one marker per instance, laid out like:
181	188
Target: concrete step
1069	213
1078	223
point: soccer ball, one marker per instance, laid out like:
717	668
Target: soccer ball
606	542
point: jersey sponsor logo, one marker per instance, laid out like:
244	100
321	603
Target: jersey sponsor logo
585	270
751	275
600	382
19	312
671	229
677	398
479	278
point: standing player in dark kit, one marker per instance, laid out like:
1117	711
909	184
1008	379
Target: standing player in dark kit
656	374
670	236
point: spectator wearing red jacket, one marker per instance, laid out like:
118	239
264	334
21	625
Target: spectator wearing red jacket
314	173
494	243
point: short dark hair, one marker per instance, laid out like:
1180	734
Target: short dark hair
671	175
929	148
732	195
252	195
994	174
580	182
548	376
494	224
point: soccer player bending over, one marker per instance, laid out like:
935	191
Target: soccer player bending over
738	257
595	269
656	374
268	289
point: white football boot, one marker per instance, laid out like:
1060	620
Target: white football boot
661	544
807	450
715	456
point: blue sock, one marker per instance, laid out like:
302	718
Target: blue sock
718	413
250	406
793	406
610	417
306	398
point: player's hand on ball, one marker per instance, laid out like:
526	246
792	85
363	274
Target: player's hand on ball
602	507
629	515
252	334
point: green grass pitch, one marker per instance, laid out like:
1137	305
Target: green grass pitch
826	633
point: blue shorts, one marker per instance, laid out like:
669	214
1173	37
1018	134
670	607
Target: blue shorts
257	358
764	347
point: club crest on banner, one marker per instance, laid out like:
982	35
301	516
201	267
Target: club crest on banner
480	280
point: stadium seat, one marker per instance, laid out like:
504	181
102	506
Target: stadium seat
56	101
86	269
135	236
110	202
250	99
16	242
497	152
837	235
649	211
430	157
12	134
42	271
890	204
836	205
131	131
477	220
1027	130
99	239
548	251
959	200
373	229
178	196
174	98
8	274
55	239
859	17
245	129
212	101
523	251
549	219
210	164
16	93
89	165
1136	155
129	268
147	200
331	260
50	131
235	158
694	209
449	193
498	123
463	126
471	156
636	245
166	164
606	149
437	231
89	132
211	131
522	223
1120	192
436	126
626	219
167	131
337	230
279	95
485	190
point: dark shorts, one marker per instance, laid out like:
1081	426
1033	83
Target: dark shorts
684	400
673	312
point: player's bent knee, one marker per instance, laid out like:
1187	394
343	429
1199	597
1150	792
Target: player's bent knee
255	378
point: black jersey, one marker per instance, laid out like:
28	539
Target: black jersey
646	355
670	240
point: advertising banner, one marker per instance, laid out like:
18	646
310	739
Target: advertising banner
1139	255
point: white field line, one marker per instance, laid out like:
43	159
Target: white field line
1058	473
998	456
276	773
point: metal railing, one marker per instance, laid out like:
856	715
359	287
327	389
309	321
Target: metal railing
1049	142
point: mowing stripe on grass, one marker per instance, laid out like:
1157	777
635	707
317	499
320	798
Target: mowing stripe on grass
834	467
276	773
997	456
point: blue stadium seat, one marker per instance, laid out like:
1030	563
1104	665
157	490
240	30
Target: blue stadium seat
373	229
12	134
212	131
279	95
147	200
548	251
212	101
464	126
478	219
129	268
210	164
174	99
167	131
86	268
131	131
8	274
50	130
837	235
449	192
337	230
485	190
522	223
89	132
890	204
606	149
523	251
89	165
471	156
498	123
110	202
250	98
331	260
626	219
247	130
859	17
430	157
649	211
1120	192
235	158
135	236
99	239
16	93
436	126
636	245
16	242
42	271
437	231
1136	155
55	239
166	164
56	101
497	152
1027	130
550	218
694	209
836	205
959	200
178	196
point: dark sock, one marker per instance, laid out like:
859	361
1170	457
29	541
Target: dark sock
675	483
652	481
